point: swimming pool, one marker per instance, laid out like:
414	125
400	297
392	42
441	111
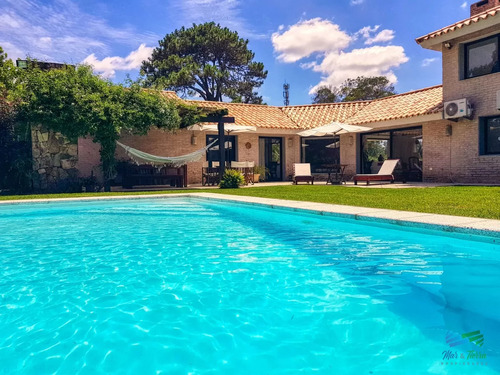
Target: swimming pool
192	286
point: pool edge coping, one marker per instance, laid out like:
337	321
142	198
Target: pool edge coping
446	223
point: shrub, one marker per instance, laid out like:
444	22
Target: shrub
231	180
262	171
90	184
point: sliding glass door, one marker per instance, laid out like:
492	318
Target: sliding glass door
403	144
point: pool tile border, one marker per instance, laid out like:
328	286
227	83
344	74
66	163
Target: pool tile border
446	223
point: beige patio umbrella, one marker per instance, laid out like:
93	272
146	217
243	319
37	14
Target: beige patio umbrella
334	128
333	145
229	128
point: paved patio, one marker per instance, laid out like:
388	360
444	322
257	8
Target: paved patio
373	185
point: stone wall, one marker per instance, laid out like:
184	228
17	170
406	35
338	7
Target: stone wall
54	160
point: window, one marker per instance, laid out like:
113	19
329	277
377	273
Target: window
482	57
320	151
490	129
213	152
403	144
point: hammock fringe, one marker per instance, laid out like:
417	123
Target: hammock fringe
174	161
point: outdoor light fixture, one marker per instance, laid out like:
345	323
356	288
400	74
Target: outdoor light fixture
194	139
448	45
290	142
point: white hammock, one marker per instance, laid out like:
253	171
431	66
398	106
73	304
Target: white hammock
176	161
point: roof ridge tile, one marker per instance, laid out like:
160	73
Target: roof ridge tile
491	12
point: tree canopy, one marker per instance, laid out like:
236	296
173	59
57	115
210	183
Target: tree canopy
208	60
15	145
360	88
326	94
77	103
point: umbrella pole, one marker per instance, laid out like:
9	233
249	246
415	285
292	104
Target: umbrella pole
222	149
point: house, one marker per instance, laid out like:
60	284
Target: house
397	122
446	133
469	150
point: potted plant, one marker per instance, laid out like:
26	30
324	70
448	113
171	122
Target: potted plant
259	173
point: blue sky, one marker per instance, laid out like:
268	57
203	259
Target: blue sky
303	43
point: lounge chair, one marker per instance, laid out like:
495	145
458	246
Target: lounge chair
384	174
302	173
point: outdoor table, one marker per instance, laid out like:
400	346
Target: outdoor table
335	173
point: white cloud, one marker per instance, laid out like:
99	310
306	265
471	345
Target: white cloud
369	62
464	5
427	62
108	66
307	37
58	30
357	2
327	48
367	31
383	36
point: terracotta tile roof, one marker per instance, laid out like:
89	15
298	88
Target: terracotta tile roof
411	104
415	103
461	24
262	116
314	115
170	95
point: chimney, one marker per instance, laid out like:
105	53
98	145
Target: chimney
482	6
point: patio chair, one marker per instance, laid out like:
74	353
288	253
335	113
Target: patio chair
384	174
210	175
302	173
245	168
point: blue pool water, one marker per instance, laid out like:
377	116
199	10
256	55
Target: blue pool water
188	286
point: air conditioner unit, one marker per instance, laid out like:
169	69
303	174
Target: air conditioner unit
457	109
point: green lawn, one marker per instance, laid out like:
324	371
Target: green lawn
469	201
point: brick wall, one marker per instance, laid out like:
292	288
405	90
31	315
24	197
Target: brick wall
164	143
291	146
482	6
456	158
480	91
465	164
348	153
446	158
89	158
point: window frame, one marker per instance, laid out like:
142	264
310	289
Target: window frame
483	136
228	138
303	151
466	47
